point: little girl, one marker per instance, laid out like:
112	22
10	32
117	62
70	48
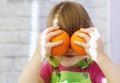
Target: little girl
68	68
72	17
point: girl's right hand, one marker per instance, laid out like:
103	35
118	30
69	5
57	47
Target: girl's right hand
44	45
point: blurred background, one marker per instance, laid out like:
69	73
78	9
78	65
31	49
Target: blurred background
22	20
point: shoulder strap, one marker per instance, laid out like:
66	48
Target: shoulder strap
53	61
83	64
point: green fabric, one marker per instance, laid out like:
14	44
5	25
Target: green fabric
70	77
53	61
82	64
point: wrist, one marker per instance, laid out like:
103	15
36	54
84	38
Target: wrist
38	57
101	57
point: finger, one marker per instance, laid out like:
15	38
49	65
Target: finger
97	34
87	30
92	43
54	44
93	53
80	44
46	31
53	28
53	34
85	36
94	37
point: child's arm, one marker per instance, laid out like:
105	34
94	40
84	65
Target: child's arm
109	68
32	71
31	74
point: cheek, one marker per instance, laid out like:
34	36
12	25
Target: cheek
59	58
81	58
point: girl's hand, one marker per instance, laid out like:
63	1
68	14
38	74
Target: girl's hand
94	46
44	45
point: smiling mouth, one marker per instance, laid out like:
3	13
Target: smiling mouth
69	56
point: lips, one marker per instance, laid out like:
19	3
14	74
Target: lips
69	56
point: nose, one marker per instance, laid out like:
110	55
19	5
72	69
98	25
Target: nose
69	50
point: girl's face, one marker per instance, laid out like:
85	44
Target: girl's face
70	58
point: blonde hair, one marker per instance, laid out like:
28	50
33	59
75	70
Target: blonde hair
72	17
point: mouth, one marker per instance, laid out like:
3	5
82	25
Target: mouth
69	56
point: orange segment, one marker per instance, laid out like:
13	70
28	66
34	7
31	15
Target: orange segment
61	49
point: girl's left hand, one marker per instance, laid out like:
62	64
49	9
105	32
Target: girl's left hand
94	46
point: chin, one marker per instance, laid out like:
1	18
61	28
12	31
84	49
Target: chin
69	63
